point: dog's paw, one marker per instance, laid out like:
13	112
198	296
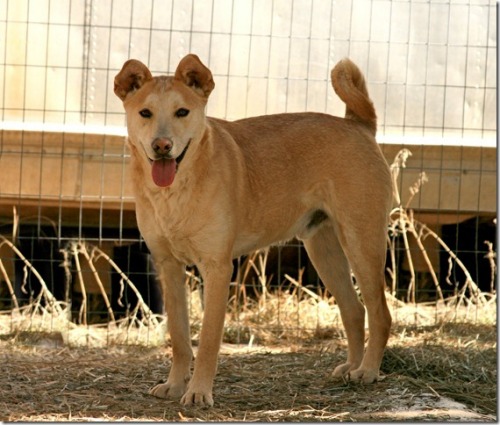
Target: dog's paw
198	398
342	370
168	390
366	376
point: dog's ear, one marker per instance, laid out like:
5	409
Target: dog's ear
131	77
196	75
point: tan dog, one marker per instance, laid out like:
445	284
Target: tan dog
209	190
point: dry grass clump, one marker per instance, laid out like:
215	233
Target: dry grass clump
453	360
296	314
61	330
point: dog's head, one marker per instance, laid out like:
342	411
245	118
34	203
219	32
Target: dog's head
164	114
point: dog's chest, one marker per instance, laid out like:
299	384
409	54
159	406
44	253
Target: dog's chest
176	225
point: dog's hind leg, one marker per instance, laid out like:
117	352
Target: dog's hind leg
363	240
367	260
363	248
327	256
172	278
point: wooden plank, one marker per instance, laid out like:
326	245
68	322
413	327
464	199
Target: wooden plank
461	179
83	178
62	173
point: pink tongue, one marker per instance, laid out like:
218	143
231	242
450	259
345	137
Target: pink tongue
163	172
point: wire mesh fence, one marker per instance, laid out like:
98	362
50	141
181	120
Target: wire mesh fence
69	242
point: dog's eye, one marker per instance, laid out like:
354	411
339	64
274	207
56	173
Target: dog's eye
145	113
182	112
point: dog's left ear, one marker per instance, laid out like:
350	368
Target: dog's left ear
131	77
196	75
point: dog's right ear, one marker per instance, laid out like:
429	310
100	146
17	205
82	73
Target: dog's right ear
131	77
194	74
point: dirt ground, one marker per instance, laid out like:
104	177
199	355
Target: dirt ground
446	373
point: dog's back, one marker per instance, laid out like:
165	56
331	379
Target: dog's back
306	161
309	136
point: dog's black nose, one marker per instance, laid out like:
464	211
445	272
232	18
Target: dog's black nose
162	145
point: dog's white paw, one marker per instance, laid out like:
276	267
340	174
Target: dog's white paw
366	376
197	398
168	390
342	370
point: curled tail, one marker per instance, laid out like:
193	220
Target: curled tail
349	84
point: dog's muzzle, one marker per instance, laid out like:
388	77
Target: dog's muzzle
164	168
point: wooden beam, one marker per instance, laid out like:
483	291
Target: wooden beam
461	179
83	178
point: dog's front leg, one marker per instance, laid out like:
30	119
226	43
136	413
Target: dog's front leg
216	277
172	277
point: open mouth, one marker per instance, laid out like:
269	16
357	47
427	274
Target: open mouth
163	169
